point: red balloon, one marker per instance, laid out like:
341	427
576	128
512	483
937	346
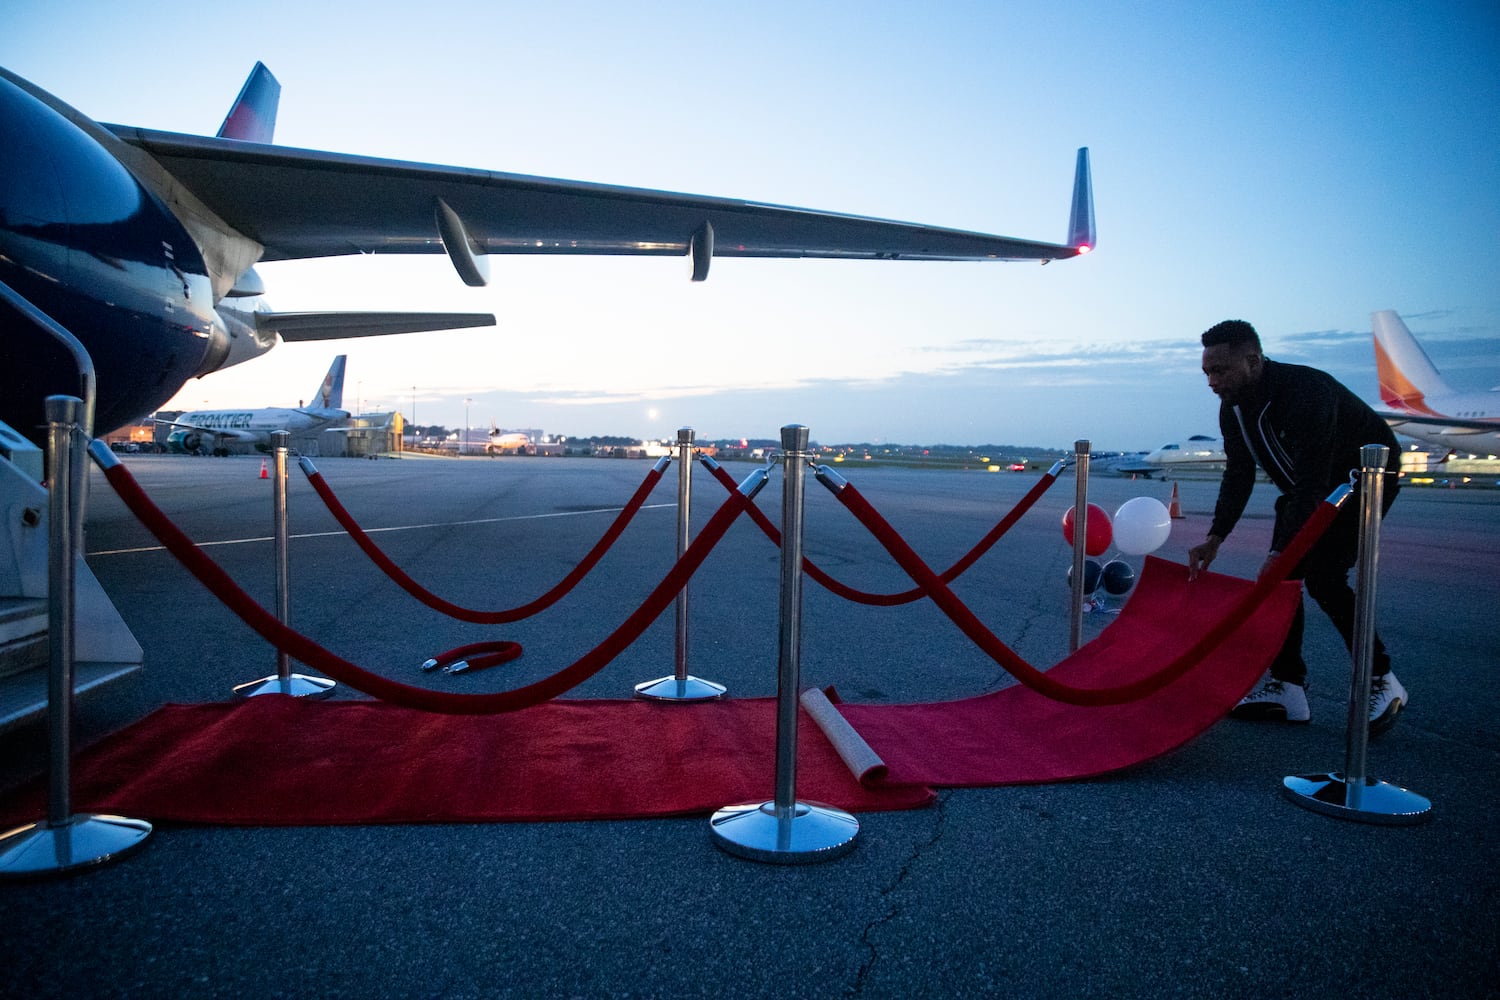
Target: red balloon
1100	533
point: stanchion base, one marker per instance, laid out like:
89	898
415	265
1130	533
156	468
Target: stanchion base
297	685
1370	802
671	689
809	832
83	841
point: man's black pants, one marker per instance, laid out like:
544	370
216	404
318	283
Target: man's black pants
1325	573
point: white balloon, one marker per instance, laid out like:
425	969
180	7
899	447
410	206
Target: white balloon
1142	525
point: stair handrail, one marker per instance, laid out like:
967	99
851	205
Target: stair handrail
87	388
87	381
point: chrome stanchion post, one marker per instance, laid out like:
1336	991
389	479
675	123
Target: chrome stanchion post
283	568
784	830
1080	541
1352	794
682	686
64	842
285	682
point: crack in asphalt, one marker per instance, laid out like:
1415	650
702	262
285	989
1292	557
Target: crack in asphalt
892	911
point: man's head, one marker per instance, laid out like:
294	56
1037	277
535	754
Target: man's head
1232	360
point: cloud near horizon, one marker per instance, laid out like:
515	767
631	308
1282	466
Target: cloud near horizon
1039	394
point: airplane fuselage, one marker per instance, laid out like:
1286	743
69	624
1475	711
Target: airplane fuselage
1467	438
1198	453
211	428
507	444
89	245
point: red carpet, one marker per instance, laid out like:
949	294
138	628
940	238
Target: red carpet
274	760
278	761
1015	736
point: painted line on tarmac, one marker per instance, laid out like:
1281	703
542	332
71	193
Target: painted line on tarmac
377	531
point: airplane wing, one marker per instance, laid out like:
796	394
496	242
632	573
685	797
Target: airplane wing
1457	426
218	433
1124	467
305	326
1122	464
303	203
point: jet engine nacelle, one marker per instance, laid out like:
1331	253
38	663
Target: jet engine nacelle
243	337
189	442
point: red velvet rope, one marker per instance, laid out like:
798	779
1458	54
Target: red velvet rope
906	596
1039	681
307	651
415	589
478	655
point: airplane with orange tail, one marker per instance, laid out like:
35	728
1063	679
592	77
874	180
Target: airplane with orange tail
1421	405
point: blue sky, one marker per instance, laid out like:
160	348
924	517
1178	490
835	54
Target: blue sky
1298	166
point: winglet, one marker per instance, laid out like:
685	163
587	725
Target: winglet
1081	235
253	116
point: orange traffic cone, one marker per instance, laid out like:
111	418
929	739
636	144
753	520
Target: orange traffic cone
1175	508
264	474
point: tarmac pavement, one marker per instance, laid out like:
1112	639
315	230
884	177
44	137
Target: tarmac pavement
1188	876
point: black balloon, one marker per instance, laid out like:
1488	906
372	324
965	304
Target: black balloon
1117	577
1091	574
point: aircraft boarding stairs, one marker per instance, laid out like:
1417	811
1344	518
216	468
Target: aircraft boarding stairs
105	650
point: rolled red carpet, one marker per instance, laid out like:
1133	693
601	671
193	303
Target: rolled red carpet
1017	736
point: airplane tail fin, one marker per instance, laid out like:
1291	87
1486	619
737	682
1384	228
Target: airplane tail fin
330	393
1081	235
253	116
1407	375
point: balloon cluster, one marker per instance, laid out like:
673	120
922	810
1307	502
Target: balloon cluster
1115	576
1139	526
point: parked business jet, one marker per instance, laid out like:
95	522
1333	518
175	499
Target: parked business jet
212	431
1421	403
142	243
1199	453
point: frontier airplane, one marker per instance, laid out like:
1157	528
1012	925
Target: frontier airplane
1421	403
142	244
213	430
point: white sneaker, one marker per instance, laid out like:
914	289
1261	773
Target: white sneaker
1387	699
1274	700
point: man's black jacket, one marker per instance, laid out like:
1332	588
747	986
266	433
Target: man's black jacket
1305	429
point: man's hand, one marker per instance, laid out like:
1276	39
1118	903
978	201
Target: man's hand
1199	556
1271	557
